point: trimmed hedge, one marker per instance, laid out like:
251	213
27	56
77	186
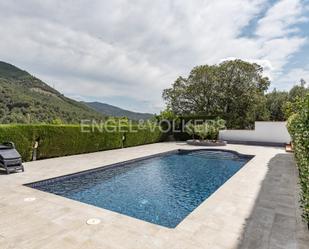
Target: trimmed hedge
142	136
23	137
298	126
64	140
57	141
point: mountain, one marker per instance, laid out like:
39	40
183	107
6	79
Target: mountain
26	99
111	110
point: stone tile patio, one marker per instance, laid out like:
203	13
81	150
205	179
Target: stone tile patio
256	208
275	220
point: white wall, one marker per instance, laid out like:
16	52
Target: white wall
267	132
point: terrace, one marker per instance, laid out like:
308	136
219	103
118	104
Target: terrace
154	125
255	208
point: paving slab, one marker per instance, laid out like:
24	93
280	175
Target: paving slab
256	208
275	218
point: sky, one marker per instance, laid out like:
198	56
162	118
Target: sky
126	52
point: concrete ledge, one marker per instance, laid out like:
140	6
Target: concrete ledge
271	144
206	142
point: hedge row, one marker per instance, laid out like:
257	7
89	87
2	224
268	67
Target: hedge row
298	126
64	140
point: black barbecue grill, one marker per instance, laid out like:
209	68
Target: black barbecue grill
10	159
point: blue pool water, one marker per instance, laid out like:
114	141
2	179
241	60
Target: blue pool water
163	189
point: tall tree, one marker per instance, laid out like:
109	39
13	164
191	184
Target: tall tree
242	87
298	91
276	101
233	90
296	95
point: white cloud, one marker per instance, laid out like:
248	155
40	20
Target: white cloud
278	51
292	78
120	48
279	19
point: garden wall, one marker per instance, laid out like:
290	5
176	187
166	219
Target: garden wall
264	132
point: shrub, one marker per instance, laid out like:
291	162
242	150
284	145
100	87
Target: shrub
142	136
185	125
190	129
21	135
64	140
298	126
202	130
206	130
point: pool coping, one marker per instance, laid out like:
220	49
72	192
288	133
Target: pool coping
35	184
138	159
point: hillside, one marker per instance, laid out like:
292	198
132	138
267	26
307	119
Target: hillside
111	110
27	99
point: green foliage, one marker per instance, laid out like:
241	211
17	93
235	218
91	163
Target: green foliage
26	99
298	126
167	114
57	121
202	130
298	91
168	121
145	135
233	90
63	140
295	99
295	96
57	141
276	101
292	107
114	111
288	109
206	130
23	136
190	129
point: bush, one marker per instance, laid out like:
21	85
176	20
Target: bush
206	130
298	126
57	141
191	130
202	130
142	136
186	127
64	140
22	136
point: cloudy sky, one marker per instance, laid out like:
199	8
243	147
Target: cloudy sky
126	52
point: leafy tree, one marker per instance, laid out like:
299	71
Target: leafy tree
276	101
298	91
233	90
242	88
296	95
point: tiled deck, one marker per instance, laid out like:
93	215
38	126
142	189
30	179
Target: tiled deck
256	208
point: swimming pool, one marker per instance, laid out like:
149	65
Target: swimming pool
162	189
